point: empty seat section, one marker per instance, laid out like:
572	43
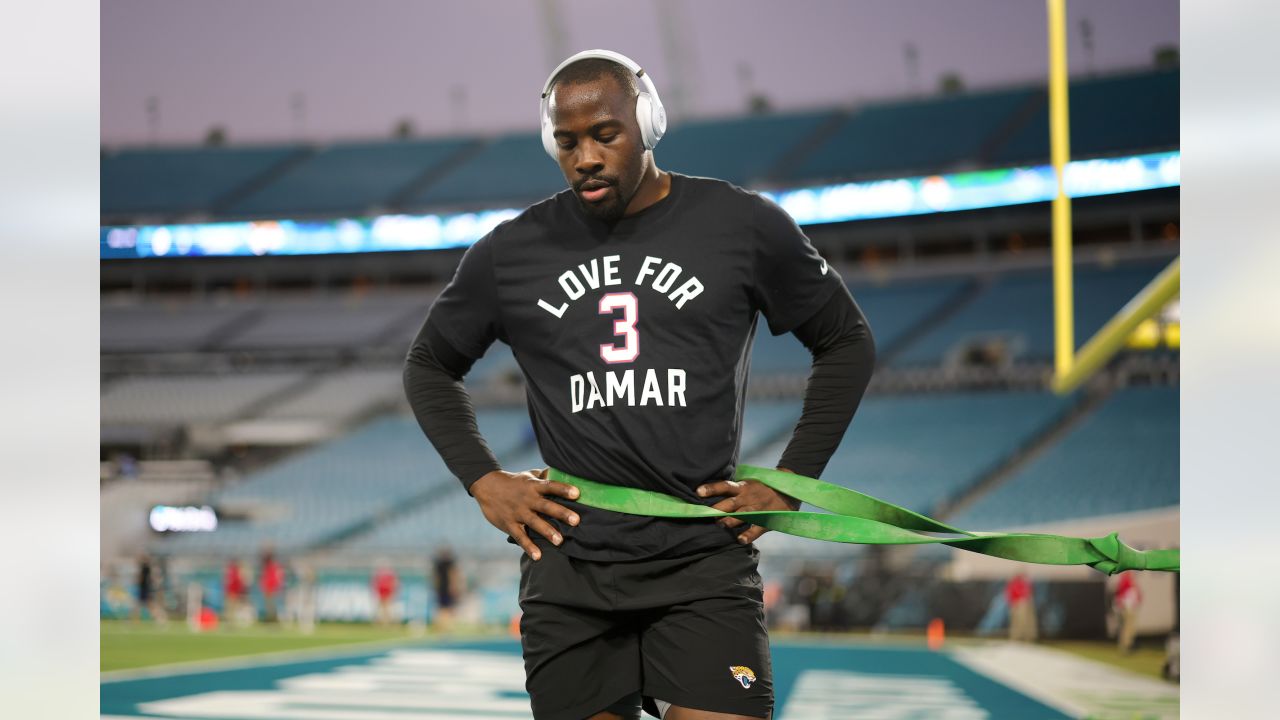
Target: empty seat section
323	492
1124	114
1017	311
914	137
741	150
452	517
350	178
891	310
918	451
341	395
1121	458
167	327
181	399
177	181
348	321
513	169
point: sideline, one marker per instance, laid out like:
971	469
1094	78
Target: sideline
279	657
1074	685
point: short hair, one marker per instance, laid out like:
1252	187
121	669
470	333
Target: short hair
590	69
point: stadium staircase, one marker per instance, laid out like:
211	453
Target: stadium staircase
965	294
254	185
402	199
1050	435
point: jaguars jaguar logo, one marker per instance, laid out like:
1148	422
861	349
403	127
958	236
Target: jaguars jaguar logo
743	674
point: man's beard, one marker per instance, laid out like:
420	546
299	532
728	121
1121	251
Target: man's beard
608	212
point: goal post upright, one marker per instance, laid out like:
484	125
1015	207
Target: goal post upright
1060	154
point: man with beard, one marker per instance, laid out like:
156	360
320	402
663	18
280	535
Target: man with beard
630	301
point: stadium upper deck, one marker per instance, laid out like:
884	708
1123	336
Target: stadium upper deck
886	139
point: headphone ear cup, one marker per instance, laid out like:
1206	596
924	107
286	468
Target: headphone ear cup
658	121
548	139
644	118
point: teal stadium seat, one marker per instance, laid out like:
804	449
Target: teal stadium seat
453	518
349	178
917	137
1121	458
512	170
181	180
742	151
320	493
1018	307
1122	114
891	310
919	451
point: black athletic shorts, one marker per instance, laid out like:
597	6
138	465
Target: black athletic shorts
687	631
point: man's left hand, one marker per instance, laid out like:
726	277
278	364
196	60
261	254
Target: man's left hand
744	496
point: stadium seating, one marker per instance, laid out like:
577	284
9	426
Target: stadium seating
1121	458
742	151
350	178
918	451
321	493
917	137
1122	114
342	321
512	170
884	139
921	450
452	518
182	180
159	326
182	399
892	310
1017	309
342	395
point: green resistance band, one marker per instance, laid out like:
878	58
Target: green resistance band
856	518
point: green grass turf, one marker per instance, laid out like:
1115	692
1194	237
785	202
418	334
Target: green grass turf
124	645
1143	660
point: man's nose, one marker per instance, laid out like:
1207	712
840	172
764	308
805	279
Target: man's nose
589	161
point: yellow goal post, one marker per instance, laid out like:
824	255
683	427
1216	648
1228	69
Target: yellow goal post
1072	368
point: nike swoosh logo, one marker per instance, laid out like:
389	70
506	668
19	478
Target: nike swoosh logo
824	267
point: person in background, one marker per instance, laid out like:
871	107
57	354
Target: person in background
233	591
1022	609
447	582
271	583
1128	599
148	597
385	585
300	599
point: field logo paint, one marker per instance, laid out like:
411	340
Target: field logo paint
831	694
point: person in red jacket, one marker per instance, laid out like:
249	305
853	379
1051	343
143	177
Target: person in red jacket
1128	599
271	583
385	584
233	591
1022	609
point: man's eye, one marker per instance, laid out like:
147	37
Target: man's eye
607	138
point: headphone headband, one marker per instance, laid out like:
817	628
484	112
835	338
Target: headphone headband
650	114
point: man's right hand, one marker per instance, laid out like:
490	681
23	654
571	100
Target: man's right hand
515	503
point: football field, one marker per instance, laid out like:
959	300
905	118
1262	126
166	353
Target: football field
371	676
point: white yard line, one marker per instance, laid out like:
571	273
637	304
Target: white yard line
1073	685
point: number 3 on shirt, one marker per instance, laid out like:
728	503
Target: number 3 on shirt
624	328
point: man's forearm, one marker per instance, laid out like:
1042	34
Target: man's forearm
844	358
433	383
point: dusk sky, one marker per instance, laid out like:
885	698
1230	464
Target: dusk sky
319	70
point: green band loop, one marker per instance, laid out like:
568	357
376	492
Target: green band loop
853	517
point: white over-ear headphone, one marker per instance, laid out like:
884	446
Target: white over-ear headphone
649	111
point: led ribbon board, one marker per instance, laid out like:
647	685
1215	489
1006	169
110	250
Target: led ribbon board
809	206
